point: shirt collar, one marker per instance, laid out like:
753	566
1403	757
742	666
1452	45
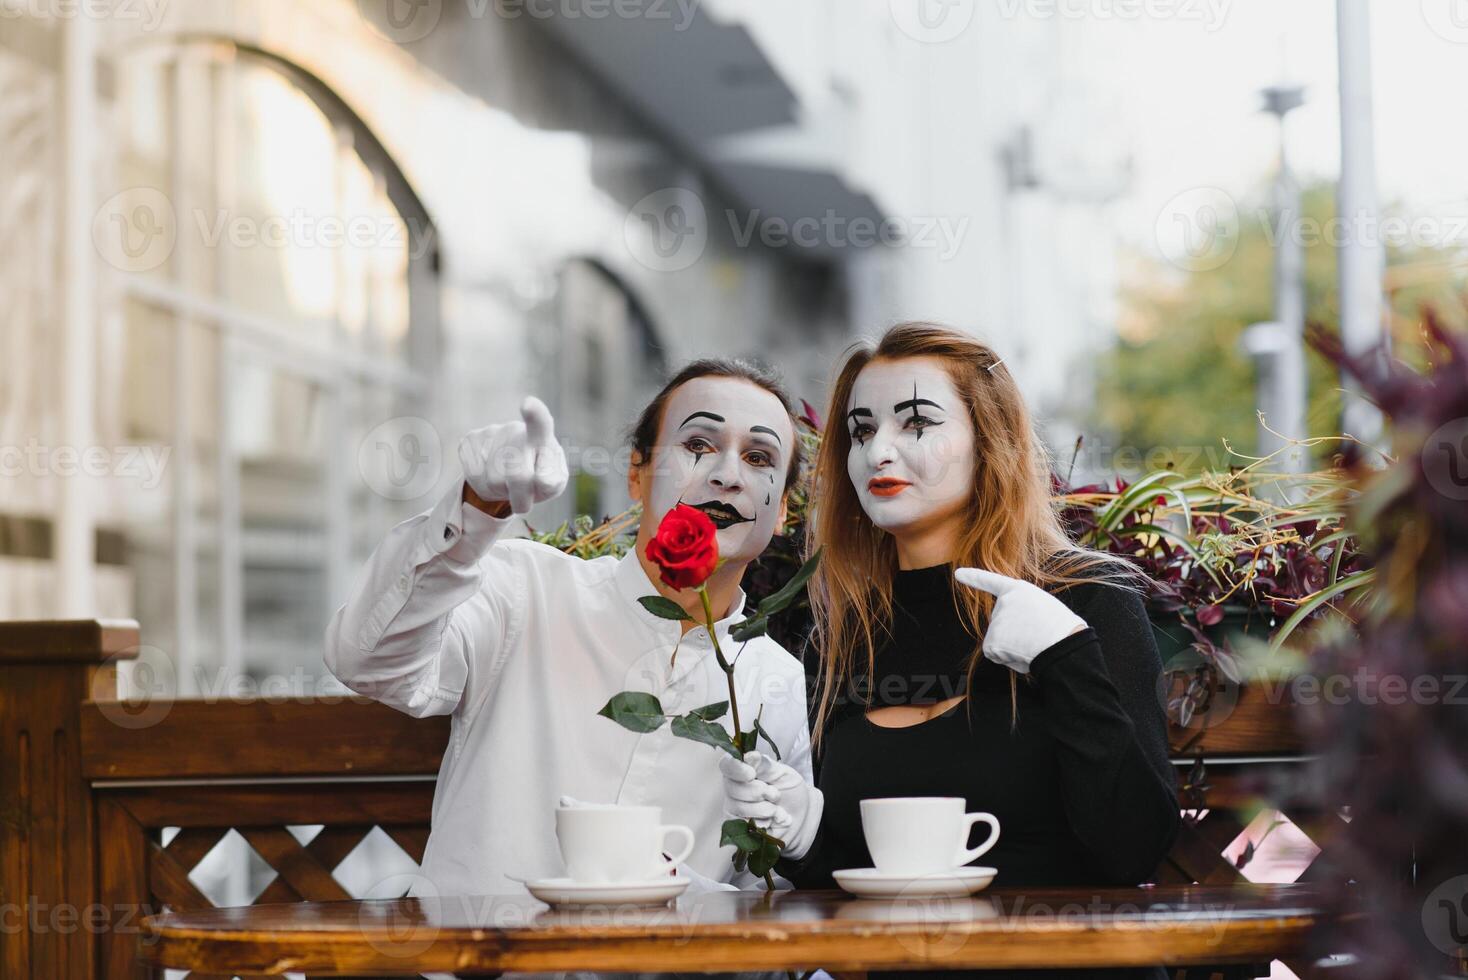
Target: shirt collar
633	584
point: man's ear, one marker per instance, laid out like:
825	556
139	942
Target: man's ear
634	476
784	509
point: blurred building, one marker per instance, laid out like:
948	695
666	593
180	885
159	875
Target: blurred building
264	262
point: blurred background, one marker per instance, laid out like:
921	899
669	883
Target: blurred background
264	262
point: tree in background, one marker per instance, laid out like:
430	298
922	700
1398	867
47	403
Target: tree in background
1178	376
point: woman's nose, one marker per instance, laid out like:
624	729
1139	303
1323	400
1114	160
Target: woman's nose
881	448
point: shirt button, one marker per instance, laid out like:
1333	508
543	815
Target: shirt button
403	583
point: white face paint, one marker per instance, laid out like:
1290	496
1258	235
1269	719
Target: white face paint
724	447
912	445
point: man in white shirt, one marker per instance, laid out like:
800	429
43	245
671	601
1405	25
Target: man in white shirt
522	644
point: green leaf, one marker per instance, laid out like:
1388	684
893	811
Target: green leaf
635	711
711	711
740	834
760	731
762	861
696	729
748	629
662	606
1356	580
790	591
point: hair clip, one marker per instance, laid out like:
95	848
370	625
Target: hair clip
996	363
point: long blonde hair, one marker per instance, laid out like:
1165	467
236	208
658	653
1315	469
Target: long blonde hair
1011	528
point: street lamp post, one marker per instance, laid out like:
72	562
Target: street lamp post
1278	347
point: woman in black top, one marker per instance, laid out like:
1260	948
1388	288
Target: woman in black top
968	648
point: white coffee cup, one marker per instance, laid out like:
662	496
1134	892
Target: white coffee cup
920	835
603	843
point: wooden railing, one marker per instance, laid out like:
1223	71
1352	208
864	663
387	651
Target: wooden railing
88	785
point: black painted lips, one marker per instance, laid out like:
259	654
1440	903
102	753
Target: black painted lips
722	514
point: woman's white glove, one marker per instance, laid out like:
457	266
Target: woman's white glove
775	797
1026	619
517	462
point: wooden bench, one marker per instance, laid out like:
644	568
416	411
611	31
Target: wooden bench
88	785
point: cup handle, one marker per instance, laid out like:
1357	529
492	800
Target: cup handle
966	856
687	849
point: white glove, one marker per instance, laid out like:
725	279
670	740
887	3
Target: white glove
775	797
518	462
1026	619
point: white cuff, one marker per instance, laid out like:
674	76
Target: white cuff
462	532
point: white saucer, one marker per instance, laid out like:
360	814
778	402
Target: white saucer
871	883
564	891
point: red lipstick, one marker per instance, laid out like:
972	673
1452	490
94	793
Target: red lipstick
887	486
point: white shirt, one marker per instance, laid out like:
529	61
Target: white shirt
522	645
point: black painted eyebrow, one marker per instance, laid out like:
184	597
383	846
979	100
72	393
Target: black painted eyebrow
857	413
914	403
706	415
768	431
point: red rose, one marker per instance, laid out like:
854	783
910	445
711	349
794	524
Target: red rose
684	548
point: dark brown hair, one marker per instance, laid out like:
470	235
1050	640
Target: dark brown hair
644	434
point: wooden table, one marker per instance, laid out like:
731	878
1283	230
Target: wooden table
1014	927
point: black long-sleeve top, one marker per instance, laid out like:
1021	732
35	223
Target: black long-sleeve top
1081	785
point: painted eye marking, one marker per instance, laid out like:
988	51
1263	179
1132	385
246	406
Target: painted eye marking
699	447
913	404
860	430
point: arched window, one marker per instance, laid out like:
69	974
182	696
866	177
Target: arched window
276	300
608	358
